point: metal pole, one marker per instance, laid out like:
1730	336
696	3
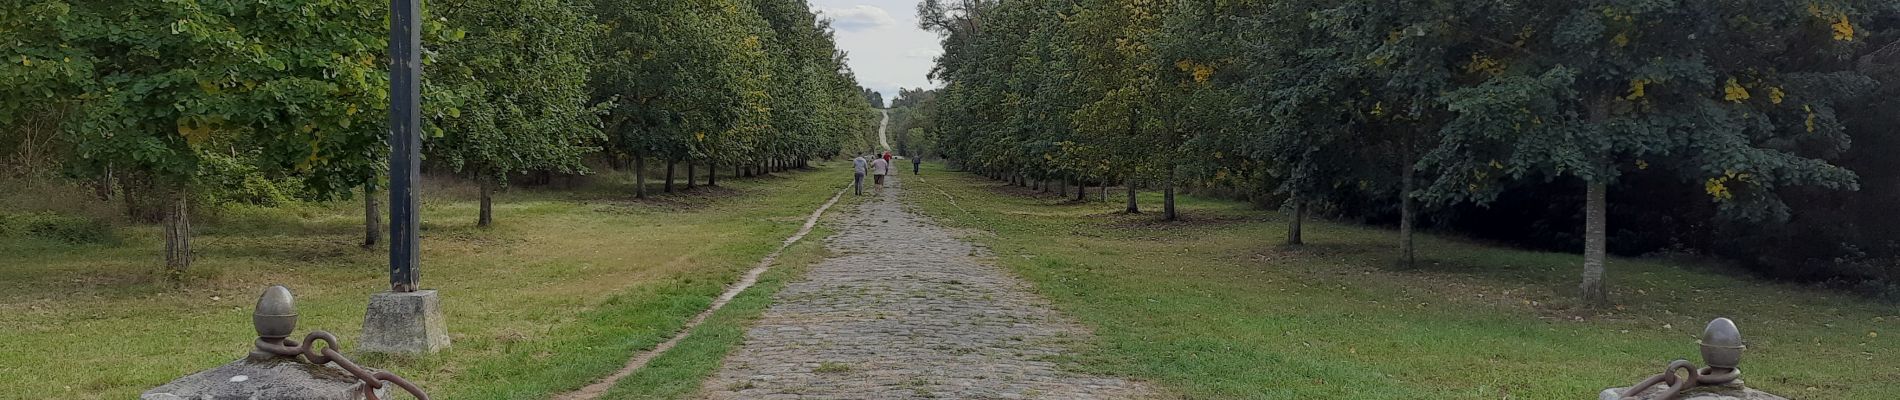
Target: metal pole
405	141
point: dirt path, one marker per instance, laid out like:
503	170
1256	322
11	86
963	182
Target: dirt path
906	310
883	128
640	359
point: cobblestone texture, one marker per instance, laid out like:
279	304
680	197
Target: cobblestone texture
906	310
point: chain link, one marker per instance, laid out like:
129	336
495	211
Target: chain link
1690	379
328	354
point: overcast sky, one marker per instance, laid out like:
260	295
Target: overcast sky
886	48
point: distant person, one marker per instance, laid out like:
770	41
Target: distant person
916	165
879	168
857	180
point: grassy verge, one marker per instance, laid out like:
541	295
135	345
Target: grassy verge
1214	307
560	292
679	373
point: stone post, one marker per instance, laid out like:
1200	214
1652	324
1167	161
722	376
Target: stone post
1722	350
404	323
266	375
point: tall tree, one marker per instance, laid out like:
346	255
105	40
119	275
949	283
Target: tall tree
519	83
279	85
1596	90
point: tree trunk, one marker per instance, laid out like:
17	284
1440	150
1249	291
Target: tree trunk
1293	227
1594	244
639	175
1408	212
1167	198
692	175
105	184
131	198
1133	208
178	234
372	217
488	203
1062	187
1081	190
670	163
712	173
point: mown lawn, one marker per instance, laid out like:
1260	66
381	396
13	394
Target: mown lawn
1215	307
560	292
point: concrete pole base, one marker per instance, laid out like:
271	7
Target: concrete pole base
404	323
264	376
1731	391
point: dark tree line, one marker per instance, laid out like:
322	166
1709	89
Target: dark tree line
1748	129
175	106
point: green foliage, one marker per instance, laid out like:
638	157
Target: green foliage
728	81
58	227
1360	106
515	84
160	85
1737	97
226	180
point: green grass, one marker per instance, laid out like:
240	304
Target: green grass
565	287
678	373
1215	307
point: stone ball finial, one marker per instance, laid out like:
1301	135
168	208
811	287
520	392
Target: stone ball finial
276	314
1722	344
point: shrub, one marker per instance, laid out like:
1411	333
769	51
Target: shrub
64	228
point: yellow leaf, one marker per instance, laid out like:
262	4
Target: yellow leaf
1734	91
1718	188
1775	94
194	132
26	61
1843	30
1810	110
1484	63
1621	40
1637	89
1640	164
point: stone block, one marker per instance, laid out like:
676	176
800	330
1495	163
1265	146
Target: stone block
263	376
1733	391
406	323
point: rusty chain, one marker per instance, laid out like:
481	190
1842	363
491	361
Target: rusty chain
328	354
1691	378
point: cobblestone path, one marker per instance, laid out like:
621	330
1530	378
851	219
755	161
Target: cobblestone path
906	310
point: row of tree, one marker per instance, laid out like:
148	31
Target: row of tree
172	103
910	115
1370	108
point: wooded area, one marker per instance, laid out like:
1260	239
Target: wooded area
1751	130
179	106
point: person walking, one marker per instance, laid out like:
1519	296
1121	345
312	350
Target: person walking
857	179
916	164
879	168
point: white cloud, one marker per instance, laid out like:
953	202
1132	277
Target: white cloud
859	18
924	52
887	49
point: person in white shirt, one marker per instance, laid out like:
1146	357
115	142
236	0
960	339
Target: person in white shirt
857	180
879	168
